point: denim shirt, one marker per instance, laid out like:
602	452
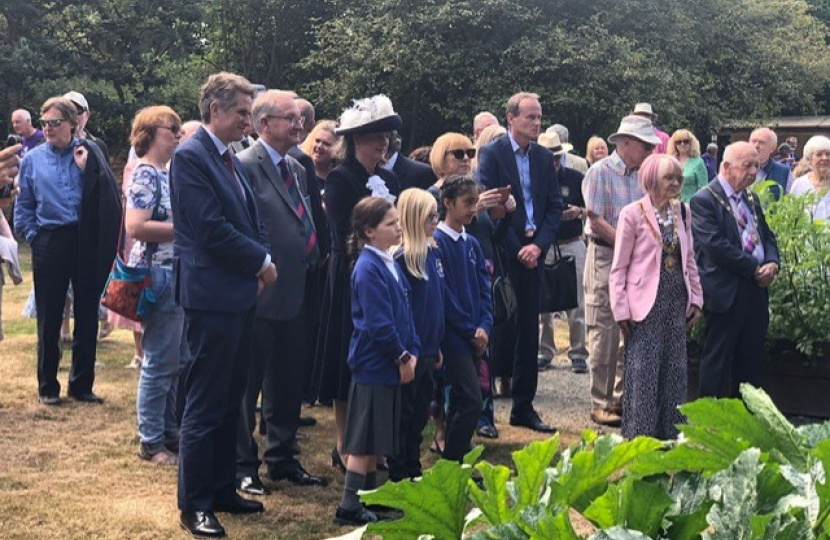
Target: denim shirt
50	190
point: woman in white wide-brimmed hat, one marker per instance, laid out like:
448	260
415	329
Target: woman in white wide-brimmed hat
366	128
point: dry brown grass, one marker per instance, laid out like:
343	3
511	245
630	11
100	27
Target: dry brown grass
72	472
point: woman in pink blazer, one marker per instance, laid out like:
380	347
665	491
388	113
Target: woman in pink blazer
655	296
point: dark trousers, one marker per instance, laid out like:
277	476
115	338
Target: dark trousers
56	261
315	285
415	399
465	405
219	344
276	367
734	346
528	285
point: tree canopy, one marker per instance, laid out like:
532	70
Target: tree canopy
700	63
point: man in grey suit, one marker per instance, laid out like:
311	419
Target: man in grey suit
280	185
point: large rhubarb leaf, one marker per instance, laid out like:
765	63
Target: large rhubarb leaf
435	505
815	433
634	504
555	527
585	473
772	486
687	517
618	533
734	493
493	499
531	463
783	441
786	526
822	453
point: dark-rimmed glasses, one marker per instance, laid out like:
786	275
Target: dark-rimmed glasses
459	153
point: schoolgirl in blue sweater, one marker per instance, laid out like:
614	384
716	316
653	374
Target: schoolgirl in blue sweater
465	341
382	354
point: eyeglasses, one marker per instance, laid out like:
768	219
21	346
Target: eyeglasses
51	122
684	141
291	119
174	129
432	217
459	153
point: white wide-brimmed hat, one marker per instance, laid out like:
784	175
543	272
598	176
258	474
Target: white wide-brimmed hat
637	127
369	115
552	142
645	109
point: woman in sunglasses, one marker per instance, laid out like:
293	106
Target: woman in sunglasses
685	147
69	209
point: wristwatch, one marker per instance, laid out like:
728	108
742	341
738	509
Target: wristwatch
403	359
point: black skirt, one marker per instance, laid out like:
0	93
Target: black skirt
373	420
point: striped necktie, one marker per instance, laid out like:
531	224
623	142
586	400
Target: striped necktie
312	251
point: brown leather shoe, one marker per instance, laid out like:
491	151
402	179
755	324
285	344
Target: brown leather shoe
616	408
605	417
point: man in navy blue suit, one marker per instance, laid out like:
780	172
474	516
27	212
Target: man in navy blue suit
222	263
517	161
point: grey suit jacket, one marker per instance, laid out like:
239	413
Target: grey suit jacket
282	300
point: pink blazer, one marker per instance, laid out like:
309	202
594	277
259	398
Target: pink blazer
635	272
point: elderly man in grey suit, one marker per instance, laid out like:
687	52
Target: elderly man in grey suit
280	326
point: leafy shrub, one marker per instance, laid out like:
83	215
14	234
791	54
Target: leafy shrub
740	471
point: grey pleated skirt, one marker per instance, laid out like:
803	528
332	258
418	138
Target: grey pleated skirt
373	420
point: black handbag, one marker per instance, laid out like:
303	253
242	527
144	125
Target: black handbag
504	295
559	290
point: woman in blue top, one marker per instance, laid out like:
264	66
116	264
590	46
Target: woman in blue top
465	342
382	353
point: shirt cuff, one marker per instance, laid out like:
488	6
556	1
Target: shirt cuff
265	265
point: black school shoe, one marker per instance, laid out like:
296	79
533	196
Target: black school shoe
358	516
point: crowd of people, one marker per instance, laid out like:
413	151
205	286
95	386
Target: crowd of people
297	260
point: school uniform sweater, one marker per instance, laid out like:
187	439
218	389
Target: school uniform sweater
383	324
469	281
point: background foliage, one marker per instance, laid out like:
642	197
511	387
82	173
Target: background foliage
699	62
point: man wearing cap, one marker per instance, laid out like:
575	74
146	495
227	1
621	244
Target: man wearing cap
644	110
765	142
483	120
84	115
569	160
222	263
281	323
527	168
569	241
737	259
608	186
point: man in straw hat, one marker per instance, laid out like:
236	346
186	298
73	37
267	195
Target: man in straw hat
608	186
569	241
644	110
527	168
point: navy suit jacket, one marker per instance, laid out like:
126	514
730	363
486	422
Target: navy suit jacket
497	168
220	243
413	174
721	260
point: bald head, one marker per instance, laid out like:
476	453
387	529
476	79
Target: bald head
740	165
188	129
22	123
482	121
765	142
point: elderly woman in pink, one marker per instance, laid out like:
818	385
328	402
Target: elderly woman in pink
655	296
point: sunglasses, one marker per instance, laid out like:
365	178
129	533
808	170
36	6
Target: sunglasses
174	129
684	141
52	122
459	153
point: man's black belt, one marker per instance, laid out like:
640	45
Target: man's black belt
600	242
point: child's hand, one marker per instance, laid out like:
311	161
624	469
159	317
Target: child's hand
407	371
480	341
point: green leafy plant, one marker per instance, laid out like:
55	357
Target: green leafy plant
739	471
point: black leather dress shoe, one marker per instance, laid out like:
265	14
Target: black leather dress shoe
358	516
201	524
532	421
234	504
487	431
307	421
89	397
50	400
297	475
252	485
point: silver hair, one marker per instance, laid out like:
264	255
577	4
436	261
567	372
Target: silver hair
24	113
560	130
816	144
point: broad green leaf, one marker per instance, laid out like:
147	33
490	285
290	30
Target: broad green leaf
507	531
804	497
688	490
784	438
588	471
684	457
473	455
787	526
618	533
493	500
555	527
435	505
734	493
815	433
634	504
531	463
822	452
689	526
772	486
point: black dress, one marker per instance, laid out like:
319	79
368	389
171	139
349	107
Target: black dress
345	187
